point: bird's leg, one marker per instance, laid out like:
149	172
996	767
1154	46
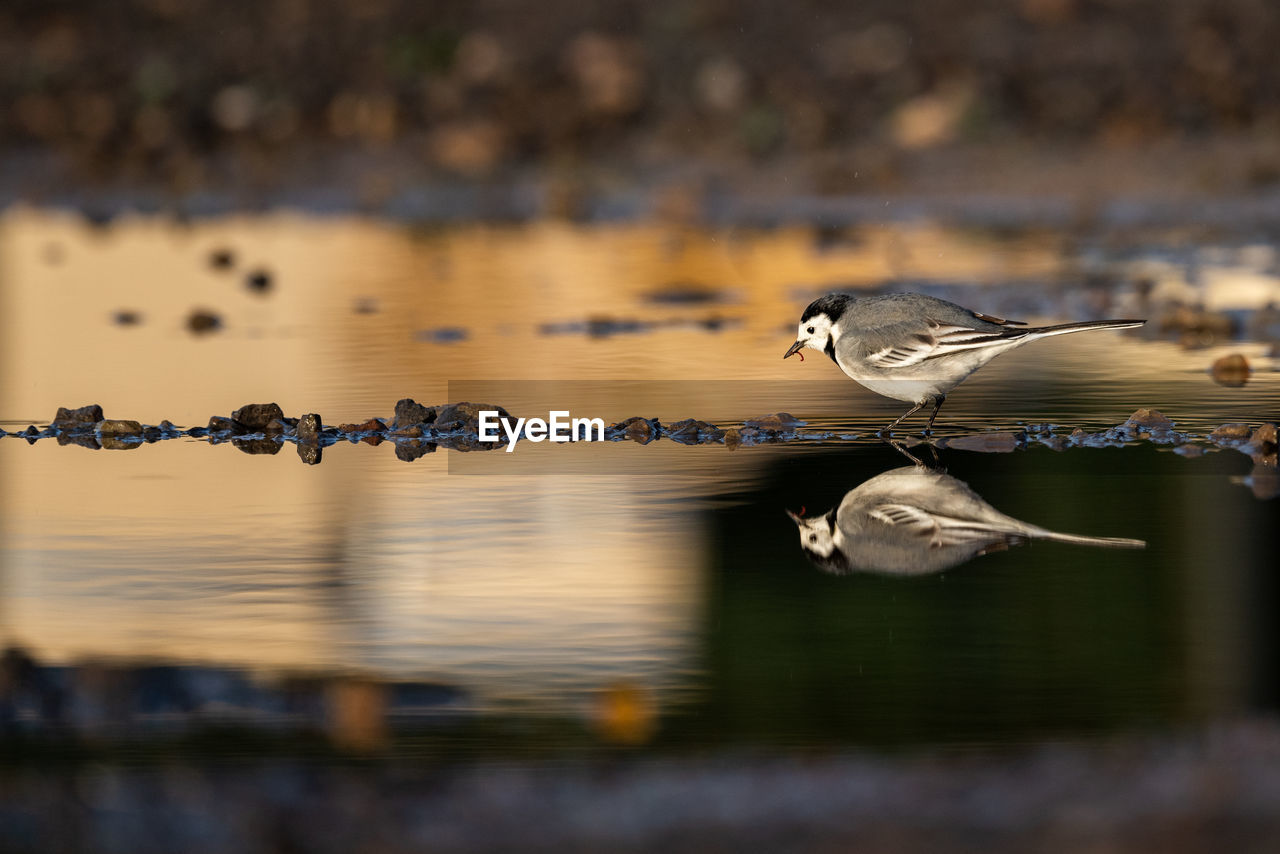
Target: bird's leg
903	417
937	404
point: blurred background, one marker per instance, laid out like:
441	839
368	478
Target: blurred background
247	101
375	640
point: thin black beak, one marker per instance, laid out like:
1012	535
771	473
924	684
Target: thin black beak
793	349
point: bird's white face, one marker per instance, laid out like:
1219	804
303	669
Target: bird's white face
814	333
815	534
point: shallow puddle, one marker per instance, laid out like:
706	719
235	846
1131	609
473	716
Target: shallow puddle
621	581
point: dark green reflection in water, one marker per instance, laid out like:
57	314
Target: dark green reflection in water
1044	639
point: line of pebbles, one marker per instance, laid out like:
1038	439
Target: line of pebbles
417	429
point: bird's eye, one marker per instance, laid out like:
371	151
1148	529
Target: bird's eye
810	330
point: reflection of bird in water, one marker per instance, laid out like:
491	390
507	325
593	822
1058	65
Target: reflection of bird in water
915	520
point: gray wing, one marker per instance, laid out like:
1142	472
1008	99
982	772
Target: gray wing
901	330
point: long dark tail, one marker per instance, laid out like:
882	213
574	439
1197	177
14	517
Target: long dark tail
1064	328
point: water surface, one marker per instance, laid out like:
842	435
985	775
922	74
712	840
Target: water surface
543	580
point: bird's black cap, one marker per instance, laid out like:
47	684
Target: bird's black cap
832	305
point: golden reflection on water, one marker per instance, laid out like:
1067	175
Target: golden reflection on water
522	587
306	346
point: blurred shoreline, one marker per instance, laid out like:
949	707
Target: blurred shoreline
1172	183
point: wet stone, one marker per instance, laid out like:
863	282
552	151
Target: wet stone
409	411
119	428
732	438
258	281
256	416
309	428
202	322
636	429
1149	419
1230	434
1231	371
464	416
691	432
75	419
443	335
373	425
222	259
1265	438
168	428
781	422
222	424
310	454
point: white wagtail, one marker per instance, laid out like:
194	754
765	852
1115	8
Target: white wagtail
915	520
914	347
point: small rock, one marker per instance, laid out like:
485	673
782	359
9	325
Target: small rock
222	259
781	422
258	281
256	416
464	416
119	428
1230	434
1149	419
373	425
309	428
310	453
167	427
636	429
443	335
1231	371
77	419
1265	436
222	424
732	438
202	322
986	443
409	411
691	432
